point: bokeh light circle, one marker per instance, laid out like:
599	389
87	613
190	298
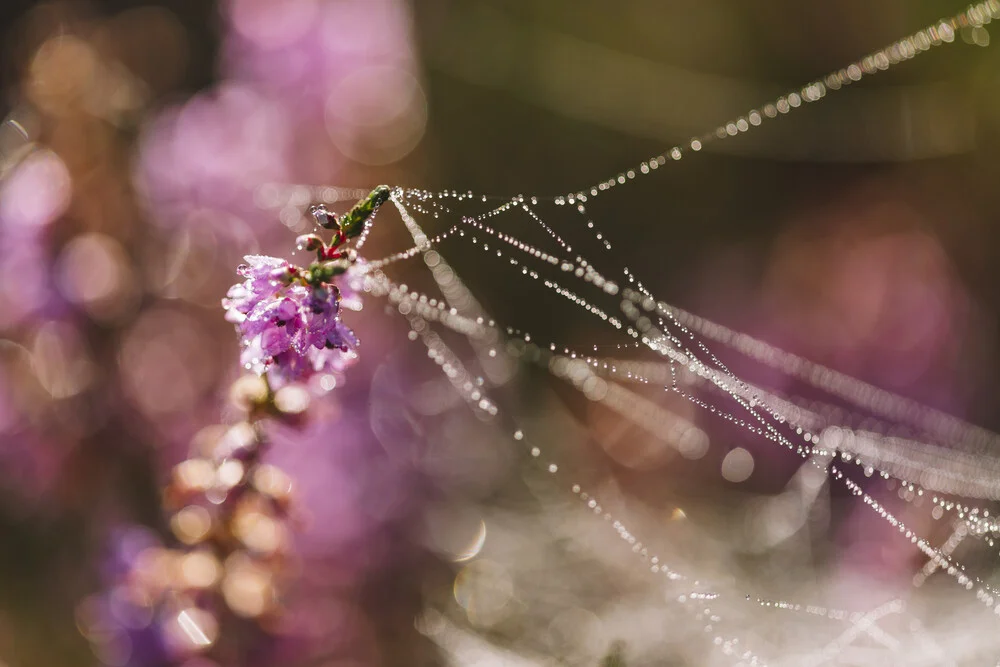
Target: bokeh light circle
377	115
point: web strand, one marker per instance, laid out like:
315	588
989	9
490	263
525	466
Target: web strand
958	572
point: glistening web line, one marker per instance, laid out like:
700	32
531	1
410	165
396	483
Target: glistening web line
449	362
939	33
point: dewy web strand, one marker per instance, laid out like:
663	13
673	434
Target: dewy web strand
984	594
957	572
770	435
942	32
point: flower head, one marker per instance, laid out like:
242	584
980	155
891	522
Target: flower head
289	318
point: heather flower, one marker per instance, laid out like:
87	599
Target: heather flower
289	318
242	297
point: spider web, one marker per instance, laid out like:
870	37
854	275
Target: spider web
649	364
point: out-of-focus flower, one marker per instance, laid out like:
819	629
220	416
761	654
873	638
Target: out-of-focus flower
212	152
37	192
308	88
229	512
306	48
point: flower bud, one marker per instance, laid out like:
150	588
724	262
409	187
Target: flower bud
309	242
323	217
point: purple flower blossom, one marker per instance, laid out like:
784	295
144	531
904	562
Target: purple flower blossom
289	320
